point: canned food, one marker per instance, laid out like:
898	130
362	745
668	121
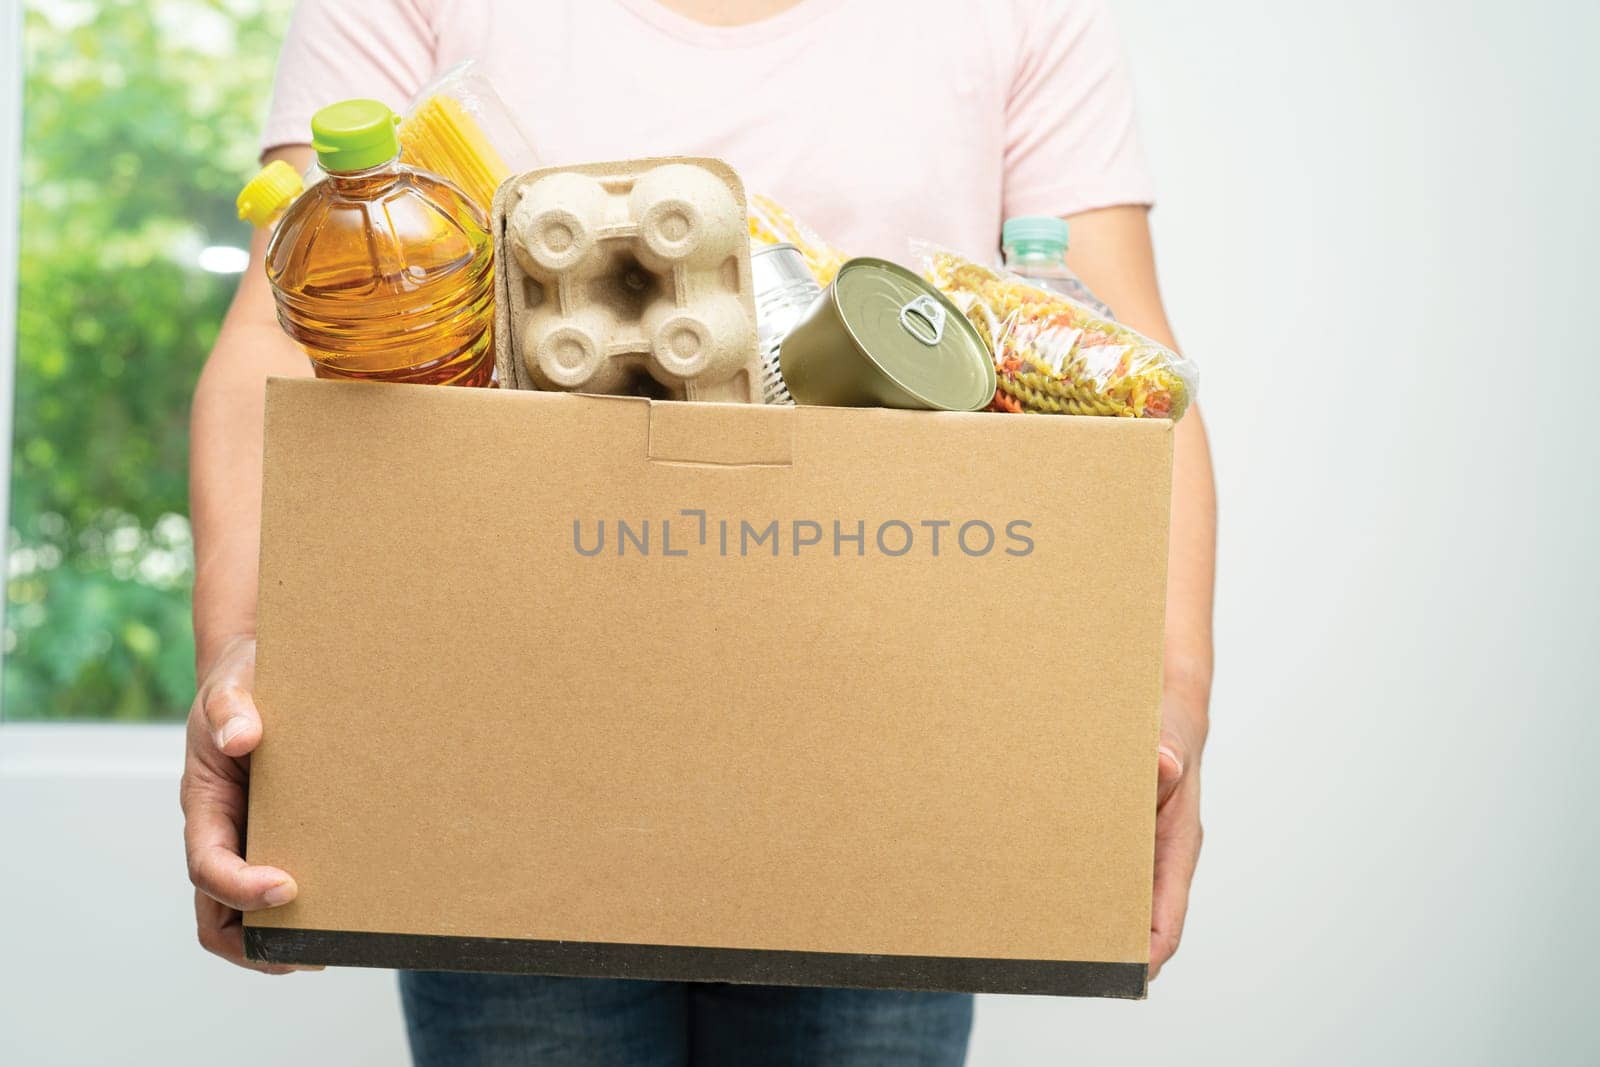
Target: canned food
881	336
784	288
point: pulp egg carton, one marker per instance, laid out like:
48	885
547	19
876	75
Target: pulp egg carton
627	277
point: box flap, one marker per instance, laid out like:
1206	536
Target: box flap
732	435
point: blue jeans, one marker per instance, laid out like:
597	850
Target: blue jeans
495	1020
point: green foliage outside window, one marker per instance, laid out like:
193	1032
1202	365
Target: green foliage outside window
140	121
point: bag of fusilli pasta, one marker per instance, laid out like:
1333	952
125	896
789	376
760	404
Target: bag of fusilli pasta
1055	356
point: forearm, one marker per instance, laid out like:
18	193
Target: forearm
1114	255
1192	552
1191	571
226	425
1191	568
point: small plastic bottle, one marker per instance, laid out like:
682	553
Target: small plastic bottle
381	272
1036	248
268	195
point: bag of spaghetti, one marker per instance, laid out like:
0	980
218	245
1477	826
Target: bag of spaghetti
459	128
1055	356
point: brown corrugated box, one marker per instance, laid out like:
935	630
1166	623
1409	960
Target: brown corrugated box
768	730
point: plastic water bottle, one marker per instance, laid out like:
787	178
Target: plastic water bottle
1036	248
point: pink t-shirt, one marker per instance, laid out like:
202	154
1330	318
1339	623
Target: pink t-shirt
875	121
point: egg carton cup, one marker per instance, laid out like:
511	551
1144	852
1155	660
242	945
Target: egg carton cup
608	272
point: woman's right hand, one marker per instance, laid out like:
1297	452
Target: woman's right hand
223	730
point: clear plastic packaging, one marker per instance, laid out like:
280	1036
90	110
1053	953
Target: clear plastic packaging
1062	280
771	224
1056	356
458	128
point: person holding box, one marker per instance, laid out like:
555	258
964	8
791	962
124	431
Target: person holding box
875	122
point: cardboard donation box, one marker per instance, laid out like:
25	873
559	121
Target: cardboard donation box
606	686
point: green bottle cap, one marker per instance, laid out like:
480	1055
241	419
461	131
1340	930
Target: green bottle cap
1037	233
354	135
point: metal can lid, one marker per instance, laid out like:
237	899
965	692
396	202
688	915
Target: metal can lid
915	335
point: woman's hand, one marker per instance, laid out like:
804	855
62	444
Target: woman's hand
223	730
225	435
1178	832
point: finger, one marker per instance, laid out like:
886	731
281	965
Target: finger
221	933
211	841
1178	839
1169	767
225	877
231	717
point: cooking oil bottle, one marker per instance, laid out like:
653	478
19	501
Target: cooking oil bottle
381	272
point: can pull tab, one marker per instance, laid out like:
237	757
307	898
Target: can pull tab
923	318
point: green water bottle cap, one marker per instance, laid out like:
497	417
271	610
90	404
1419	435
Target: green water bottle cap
1044	233
354	135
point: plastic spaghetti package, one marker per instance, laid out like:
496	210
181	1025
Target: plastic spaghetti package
771	224
460	129
1056	356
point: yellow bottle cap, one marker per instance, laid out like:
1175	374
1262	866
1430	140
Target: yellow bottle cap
269	192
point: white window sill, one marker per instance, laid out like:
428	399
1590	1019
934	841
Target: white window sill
90	750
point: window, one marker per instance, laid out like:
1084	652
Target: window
140	120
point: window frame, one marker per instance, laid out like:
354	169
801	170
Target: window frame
48	750
10	241
72	746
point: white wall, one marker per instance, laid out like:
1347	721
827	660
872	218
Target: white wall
1377	232
98	958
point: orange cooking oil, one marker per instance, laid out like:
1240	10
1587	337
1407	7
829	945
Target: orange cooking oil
381	272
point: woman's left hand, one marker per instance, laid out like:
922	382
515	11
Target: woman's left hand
1178	832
